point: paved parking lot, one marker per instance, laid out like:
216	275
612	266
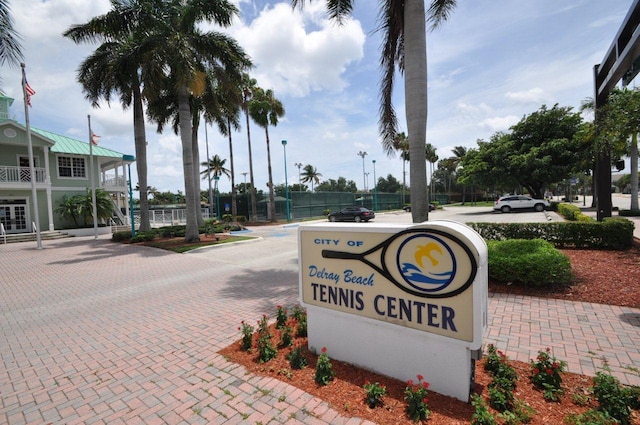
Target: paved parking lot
101	333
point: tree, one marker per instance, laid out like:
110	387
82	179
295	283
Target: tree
265	110
311	175
459	152
215	166
10	48
81	207
401	144
115	67
431	157
389	185
404	49
247	86
340	185
621	124
182	53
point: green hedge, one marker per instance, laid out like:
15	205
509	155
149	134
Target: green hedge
528	262
611	233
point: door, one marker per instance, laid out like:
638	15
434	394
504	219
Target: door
14	217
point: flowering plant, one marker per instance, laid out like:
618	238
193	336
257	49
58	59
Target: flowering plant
266	349
374	393
297	357
416	396
247	336
324	370
281	317
546	374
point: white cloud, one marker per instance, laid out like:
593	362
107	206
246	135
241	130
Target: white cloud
535	95
496	124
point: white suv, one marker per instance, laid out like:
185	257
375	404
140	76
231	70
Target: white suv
518	202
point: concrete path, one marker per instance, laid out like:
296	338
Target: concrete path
101	333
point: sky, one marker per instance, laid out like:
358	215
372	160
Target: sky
489	65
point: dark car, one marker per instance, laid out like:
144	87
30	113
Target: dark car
356	214
407	208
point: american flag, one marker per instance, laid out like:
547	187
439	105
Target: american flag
94	138
30	92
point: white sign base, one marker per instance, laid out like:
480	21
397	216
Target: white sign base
394	351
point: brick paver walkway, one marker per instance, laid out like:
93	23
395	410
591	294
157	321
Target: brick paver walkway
100	333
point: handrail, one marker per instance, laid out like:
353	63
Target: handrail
3	233
33	226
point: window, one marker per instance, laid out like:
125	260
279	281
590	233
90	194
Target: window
72	167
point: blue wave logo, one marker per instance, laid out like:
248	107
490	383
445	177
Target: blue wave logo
433	265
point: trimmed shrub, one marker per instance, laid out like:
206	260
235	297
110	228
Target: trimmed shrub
120	236
529	262
611	233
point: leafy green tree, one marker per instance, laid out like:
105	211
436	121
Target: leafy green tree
247	87
459	152
621	125
544	148
388	185
80	207
265	110
339	185
404	49
310	174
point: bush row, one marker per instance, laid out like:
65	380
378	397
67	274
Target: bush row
210	227
612	233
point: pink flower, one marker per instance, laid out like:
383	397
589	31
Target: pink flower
324	350
425	385
410	382
549	372
420	377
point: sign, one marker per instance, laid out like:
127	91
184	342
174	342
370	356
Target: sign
399	300
418	277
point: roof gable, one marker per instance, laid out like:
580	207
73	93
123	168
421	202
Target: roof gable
64	144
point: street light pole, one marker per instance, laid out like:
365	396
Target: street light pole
364	178
375	187
247	192
286	183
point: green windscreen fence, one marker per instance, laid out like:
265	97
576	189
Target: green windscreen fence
314	204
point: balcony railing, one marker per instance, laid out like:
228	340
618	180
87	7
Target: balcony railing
114	181
10	174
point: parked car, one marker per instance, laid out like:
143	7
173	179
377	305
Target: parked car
520	202
407	208
356	214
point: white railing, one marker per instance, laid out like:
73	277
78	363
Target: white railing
114	181
11	174
3	234
34	229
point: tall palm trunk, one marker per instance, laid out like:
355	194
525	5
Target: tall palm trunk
254	206
140	140
272	199
415	92
196	172
234	206
184	111
633	155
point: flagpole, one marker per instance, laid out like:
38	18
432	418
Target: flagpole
93	186
32	171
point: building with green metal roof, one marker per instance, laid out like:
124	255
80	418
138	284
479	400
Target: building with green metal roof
63	167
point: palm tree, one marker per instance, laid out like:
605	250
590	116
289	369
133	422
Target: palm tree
248	86
115	67
431	157
401	143
11	51
404	46
310	174
177	53
265	110
459	152
215	166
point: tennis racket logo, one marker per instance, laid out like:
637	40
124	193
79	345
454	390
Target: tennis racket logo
424	262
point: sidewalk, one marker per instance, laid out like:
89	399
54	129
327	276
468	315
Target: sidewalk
101	333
